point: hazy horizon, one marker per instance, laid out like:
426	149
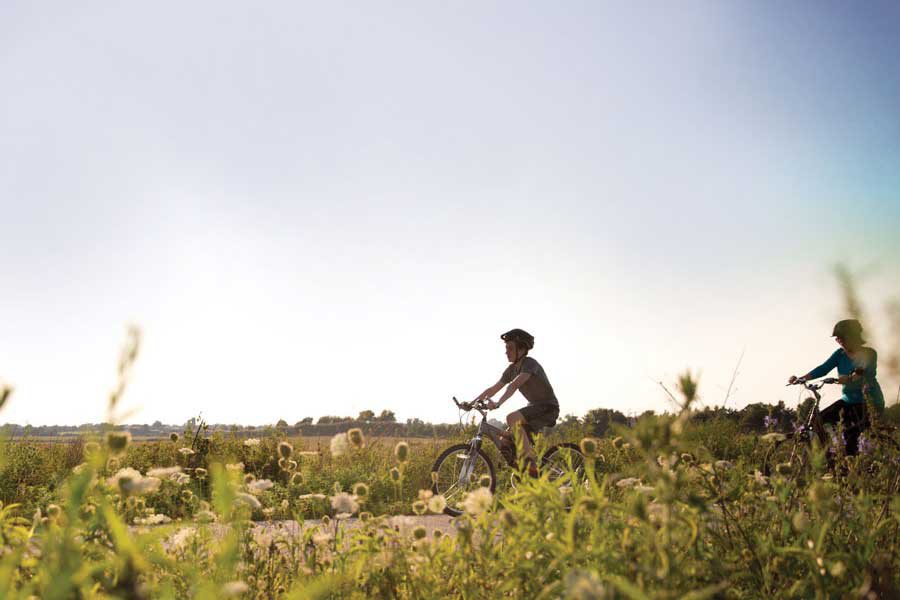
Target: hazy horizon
316	210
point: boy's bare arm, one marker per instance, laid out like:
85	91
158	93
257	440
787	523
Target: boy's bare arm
514	385
489	392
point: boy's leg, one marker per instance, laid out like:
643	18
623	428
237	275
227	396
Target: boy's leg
516	422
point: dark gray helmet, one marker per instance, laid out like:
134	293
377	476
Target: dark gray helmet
519	337
849	329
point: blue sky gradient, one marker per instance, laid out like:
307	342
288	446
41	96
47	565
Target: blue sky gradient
321	209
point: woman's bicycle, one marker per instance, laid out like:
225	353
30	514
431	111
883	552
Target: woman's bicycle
791	454
462	468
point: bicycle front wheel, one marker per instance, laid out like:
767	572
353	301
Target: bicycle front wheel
458	471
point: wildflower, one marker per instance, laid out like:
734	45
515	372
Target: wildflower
186	451
257	487
585	585
437	504
321	538
326	520
339	445
235	467
155	519
401	452
117	441
769	421
232	589
91	449
248	499
437	534
251	442
312	497
205	516
182	536
360	490
628	482
130	481
687	457
356	438
424	495
163	472
618	442
864	445
773	437
285	450
724	464
478	501
200	473
285	504
395	474
344	503
485	481
588	446
419	507
173	437
434	477
419	532
837	569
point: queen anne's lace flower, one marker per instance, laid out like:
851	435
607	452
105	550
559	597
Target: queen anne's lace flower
478	501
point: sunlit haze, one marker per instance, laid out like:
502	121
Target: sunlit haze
319	208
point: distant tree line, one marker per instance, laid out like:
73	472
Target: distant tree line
757	417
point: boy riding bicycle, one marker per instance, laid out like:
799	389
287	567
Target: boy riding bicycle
856	366
524	374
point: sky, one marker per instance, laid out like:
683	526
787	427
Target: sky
320	208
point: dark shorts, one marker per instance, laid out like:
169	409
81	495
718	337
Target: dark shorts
538	416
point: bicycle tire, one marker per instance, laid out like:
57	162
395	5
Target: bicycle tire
793	450
547	459
436	486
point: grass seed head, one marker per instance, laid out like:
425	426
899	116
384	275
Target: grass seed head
296	479
485	481
395	474
588	446
118	441
618	442
285	450
437	504
356	438
360	490
401	452
173	437
90	450
419	532
419	507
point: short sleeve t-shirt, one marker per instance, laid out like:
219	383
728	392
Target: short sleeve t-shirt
537	390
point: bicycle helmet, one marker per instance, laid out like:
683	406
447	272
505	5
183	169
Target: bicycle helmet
519	337
850	330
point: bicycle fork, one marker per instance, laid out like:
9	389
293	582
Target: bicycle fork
468	465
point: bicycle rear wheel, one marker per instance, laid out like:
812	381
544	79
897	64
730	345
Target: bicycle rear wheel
458	471
564	465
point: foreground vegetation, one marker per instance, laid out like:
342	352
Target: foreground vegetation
670	509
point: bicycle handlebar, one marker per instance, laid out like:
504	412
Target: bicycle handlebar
467	406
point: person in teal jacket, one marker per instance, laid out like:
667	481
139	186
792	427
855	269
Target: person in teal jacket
856	365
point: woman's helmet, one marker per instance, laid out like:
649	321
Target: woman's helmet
850	330
519	337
